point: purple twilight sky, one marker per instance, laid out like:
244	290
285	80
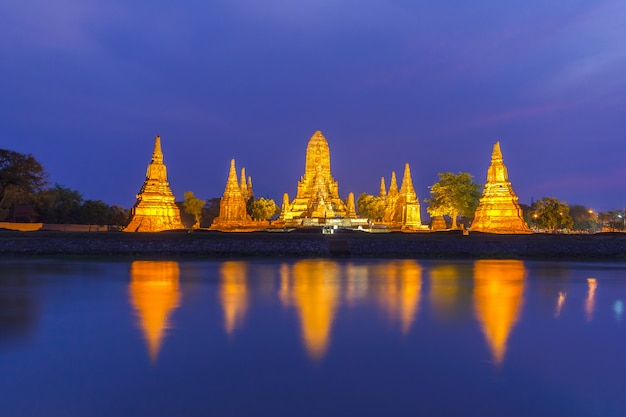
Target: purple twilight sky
87	84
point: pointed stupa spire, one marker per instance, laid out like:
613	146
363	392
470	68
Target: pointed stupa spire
157	153
250	191
231	183
383	189
232	204
393	186
407	182
351	211
155	209
242	184
496	155
498	210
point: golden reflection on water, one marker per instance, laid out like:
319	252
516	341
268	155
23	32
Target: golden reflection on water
560	302
498	299
313	287
233	294
400	290
154	295
444	289
590	302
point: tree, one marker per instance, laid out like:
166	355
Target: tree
552	214
613	220
94	212
371	207
21	177
210	211
263	209
584	218
59	205
193	205
118	216
454	195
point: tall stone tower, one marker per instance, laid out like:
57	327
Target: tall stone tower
233	203
318	195
155	209
402	208
498	210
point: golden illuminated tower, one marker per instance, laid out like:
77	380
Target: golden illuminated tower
233	203
498	210
313	288
233	294
402	207
155	209
498	299
350	209
318	195
154	295
383	191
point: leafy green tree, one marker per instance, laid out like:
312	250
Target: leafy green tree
94	212
454	195
371	207
263	209
59	205
21	177
613	220
193	205
118	216
584	219
552	214
210	211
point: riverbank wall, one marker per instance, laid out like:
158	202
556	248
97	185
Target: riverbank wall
443	245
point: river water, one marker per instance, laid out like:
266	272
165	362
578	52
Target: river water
312	338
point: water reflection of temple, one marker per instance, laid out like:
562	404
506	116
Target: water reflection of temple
233	294
313	287
154	294
399	290
498	299
447	296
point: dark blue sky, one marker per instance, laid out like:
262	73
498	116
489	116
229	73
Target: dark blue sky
87	84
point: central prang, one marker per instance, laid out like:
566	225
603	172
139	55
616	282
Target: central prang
318	192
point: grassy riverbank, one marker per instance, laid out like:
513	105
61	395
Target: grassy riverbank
302	244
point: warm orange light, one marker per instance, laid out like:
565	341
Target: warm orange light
559	304
312	286
590	301
444	289
154	295
499	210
498	299
155	209
399	291
233	294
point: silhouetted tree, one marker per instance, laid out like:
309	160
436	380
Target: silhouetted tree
59	205
118	216
454	195
613	220
21	177
210	211
584	219
94	212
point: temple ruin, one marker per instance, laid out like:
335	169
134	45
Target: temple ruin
498	210
155	209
